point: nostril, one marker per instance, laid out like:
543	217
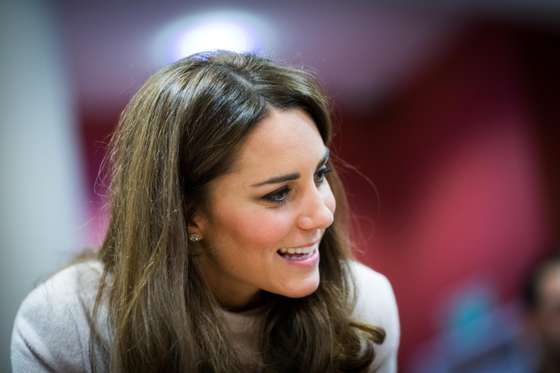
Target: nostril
306	222
320	220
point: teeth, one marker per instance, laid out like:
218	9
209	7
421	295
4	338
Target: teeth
298	250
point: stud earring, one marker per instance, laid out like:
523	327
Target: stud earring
194	237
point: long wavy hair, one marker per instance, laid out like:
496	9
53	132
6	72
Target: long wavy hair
182	129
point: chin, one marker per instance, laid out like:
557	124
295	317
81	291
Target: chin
301	290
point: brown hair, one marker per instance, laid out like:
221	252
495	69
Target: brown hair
179	132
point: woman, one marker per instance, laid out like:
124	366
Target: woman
227	249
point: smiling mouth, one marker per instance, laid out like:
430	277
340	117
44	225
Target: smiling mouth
299	253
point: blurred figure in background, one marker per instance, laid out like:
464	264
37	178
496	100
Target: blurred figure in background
541	297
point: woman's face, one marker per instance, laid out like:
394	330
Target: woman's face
265	218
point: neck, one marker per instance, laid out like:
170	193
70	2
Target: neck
229	292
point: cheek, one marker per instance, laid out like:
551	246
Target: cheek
259	228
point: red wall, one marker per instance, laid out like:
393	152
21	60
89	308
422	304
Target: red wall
456	164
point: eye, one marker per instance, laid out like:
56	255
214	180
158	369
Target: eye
321	173
278	196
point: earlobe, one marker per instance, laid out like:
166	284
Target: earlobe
197	227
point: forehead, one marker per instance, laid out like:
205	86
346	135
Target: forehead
283	141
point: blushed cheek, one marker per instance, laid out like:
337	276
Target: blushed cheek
264	230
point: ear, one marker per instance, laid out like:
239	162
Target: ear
198	224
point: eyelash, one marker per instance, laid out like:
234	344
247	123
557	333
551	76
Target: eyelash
280	196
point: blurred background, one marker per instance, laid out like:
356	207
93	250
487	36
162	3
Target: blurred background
447	113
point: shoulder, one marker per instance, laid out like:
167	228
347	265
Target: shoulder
51	329
71	287
376	305
375	300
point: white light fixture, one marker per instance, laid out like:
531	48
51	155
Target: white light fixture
215	35
229	30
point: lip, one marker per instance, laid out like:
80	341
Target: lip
305	245
307	263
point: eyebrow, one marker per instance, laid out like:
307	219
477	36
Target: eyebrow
292	176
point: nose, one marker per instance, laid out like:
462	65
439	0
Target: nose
317	209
